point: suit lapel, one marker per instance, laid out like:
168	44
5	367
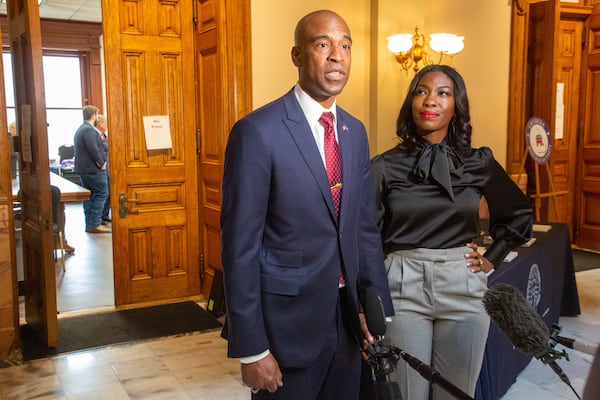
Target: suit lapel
301	133
346	150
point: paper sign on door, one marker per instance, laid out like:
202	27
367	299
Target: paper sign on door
158	132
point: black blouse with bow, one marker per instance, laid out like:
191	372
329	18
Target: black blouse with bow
430	199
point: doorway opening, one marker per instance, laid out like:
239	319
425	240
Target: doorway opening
87	282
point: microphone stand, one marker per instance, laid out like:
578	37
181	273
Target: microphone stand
434	376
383	360
569	343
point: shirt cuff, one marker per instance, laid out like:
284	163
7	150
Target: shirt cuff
255	358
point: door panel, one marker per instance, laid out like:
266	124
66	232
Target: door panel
564	150
587	233
541	88
9	301
149	68
211	102
224	95
34	170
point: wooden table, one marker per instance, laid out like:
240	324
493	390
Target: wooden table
69	191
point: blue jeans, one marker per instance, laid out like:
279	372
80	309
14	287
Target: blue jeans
97	184
106	209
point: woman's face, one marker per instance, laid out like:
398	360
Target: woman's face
433	106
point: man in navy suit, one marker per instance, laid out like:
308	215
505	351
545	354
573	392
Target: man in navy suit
291	320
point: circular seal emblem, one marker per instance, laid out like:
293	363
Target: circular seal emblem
534	286
537	138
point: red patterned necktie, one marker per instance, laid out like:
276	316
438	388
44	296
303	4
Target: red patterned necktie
333	160
333	165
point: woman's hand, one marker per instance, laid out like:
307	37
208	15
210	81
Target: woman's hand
476	262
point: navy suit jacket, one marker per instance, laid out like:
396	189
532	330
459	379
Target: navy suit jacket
282	246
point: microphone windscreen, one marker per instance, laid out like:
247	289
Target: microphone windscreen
508	308
374	313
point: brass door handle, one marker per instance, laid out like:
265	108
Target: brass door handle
123	200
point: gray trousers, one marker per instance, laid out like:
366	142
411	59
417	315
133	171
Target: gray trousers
440	318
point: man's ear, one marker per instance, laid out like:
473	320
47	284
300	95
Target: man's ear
296	56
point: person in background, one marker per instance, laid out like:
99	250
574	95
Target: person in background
90	164
12	134
292	222
12	129
101	126
428	190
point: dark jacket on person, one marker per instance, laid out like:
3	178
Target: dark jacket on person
89	150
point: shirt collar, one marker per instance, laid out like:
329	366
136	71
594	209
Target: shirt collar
310	107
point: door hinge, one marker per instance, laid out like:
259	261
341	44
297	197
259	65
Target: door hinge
575	226
585	35
580	130
195	11
198	141
202	266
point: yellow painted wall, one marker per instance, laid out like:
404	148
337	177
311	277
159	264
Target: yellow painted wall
273	24
377	85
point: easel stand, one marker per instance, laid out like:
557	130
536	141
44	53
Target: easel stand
539	196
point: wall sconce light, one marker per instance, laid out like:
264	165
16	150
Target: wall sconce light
410	50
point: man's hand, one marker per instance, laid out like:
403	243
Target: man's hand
368	339
263	374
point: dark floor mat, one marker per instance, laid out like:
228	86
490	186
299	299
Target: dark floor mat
585	260
101	329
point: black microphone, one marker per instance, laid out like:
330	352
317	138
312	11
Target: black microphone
527	331
374	313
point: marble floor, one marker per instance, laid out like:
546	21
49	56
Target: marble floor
195	366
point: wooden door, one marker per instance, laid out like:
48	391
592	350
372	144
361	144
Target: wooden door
9	301
587	231
542	44
223	95
564	149
149	57
34	172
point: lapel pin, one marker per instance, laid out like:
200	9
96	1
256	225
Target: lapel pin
345	128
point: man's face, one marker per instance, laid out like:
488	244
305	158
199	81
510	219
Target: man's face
323	57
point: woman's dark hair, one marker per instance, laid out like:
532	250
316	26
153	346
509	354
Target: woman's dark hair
459	131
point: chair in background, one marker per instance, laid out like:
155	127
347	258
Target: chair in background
66	152
66	169
58	224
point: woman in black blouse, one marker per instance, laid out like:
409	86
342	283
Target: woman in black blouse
428	191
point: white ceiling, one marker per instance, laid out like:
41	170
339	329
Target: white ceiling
75	10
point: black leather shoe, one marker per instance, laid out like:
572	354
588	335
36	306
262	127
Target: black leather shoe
107	219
